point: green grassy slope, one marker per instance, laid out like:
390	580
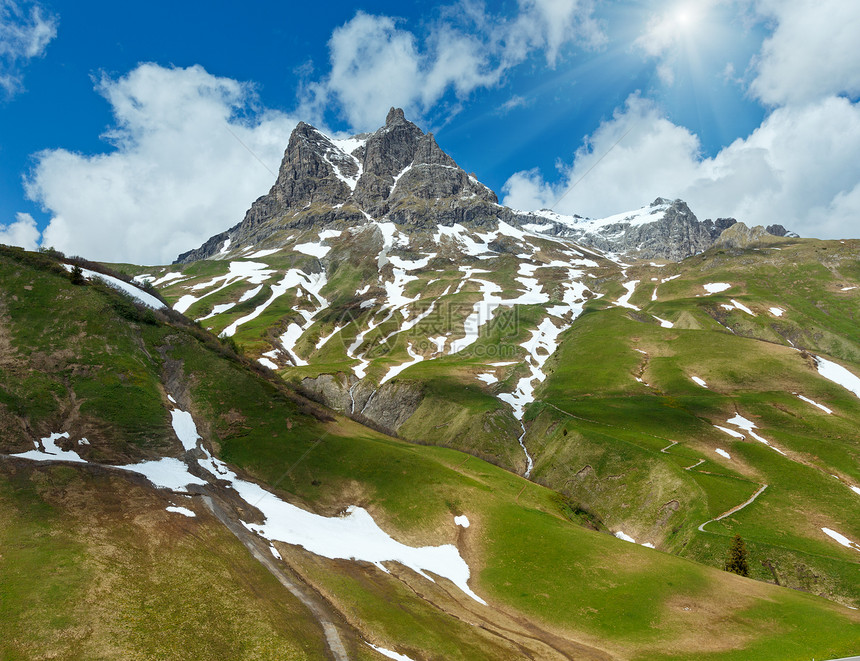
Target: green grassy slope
545	575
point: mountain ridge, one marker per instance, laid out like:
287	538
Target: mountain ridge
399	174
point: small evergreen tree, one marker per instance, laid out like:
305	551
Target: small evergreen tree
77	276
736	560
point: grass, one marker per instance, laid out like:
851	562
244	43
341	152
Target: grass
80	582
135	576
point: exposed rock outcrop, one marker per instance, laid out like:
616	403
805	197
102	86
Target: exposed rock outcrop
739	236
389	406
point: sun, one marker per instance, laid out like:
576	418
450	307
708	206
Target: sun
687	15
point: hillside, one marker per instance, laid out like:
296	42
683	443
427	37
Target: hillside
387	413
105	400
555	359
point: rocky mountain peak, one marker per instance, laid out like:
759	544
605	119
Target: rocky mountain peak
396	173
400	174
395	116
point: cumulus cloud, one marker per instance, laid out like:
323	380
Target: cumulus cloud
26	29
22	232
183	167
813	51
377	63
797	169
628	160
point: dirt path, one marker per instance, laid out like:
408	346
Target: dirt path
261	552
734	509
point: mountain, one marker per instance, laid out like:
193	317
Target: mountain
399	174
411	420
664	230
163	497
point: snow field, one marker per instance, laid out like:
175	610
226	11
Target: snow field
48	451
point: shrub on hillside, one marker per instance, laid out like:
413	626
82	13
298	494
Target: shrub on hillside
736	560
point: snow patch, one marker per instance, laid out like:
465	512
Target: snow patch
462	521
169	277
838	374
625	537
821	406
624	301
394	371
716	287
723	453
842	539
165	473
744	308
777	312
262	253
389	653
731	432
184	511
699	381
267	362
748	426
136	293
185	429
317	250
48	450
218	309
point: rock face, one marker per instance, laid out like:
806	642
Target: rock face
389	406
399	174
741	236
664	230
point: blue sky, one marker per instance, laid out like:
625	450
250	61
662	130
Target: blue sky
127	128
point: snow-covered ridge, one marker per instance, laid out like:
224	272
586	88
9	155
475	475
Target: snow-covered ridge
643	216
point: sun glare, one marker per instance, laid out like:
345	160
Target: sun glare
686	16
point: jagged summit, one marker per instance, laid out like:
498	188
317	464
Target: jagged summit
399	174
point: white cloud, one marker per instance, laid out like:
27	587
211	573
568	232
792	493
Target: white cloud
798	169
23	36
628	161
377	63
22	232
813	52
176	175
549	25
